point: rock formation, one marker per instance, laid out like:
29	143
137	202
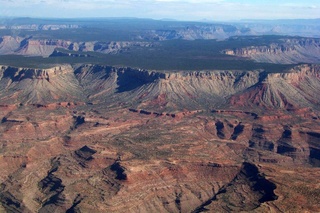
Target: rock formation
93	138
286	51
45	47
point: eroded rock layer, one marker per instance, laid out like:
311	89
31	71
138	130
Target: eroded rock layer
295	88
28	46
89	138
286	51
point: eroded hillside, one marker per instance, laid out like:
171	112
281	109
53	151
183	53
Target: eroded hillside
92	138
162	91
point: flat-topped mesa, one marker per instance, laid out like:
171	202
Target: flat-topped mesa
18	74
235	79
285	51
38	47
296	74
45	47
39	86
252	50
162	90
151	75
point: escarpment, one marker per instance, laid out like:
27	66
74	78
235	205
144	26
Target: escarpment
296	88
29	46
162	91
38	86
286	51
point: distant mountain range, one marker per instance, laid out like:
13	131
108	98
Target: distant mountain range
204	29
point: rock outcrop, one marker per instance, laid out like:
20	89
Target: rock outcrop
45	47
162	91
286	51
297	88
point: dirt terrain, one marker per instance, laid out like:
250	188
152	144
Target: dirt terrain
91	138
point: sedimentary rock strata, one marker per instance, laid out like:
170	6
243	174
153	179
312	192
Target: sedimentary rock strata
91	138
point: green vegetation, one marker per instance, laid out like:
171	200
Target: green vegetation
165	55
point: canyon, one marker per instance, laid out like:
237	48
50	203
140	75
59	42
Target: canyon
95	138
139	115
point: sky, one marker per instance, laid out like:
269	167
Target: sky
211	10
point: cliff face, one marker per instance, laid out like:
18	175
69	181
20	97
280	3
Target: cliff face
45	47
163	91
9	44
295	89
287	51
141	88
38	86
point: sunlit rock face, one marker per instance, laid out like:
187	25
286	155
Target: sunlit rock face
286	51
28	46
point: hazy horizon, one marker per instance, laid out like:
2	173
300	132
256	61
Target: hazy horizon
183	10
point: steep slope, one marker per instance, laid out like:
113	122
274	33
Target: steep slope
39	86
9	44
162	91
169	91
247	191
297	88
32	47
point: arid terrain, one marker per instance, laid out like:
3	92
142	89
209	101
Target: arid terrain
90	137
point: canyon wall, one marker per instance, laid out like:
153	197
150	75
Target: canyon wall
163	91
45	47
286	51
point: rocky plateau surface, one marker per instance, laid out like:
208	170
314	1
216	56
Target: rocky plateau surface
91	138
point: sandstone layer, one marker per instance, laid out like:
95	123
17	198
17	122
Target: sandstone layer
28	46
286	51
91	138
